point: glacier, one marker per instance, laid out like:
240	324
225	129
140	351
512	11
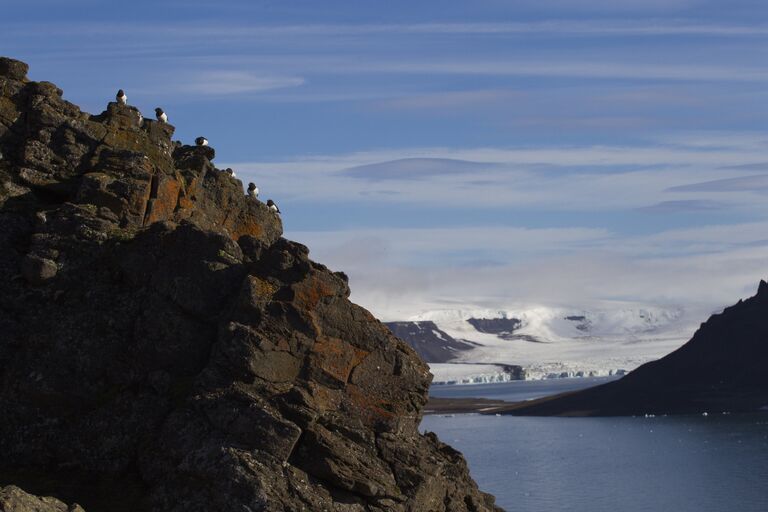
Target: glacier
558	342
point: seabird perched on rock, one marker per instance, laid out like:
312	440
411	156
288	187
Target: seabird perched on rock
161	116
141	118
201	141
253	190
272	206
121	97
229	171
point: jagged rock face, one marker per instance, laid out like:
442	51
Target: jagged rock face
161	338
13	499
721	369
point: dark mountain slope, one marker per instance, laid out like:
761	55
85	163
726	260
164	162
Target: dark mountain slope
432	344
724	367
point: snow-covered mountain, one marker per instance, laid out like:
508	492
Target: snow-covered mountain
553	341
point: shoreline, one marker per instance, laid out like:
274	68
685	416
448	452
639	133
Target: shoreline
437	405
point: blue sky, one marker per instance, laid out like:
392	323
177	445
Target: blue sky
453	152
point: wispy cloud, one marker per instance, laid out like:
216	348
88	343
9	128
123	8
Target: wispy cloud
575	69
444	100
762	166
572	267
236	82
231	32
579	178
415	168
758	183
504	242
684	206
214	83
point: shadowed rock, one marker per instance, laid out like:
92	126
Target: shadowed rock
164	349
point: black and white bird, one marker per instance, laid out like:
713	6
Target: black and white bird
121	97
253	190
141	118
201	141
272	206
229	171
160	115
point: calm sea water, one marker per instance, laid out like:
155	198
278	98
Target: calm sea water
715	463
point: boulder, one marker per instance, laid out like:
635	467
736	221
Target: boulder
13	69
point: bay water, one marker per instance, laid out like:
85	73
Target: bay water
690	463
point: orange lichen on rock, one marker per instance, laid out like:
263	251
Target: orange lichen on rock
308	293
374	409
242	227
336	357
164	199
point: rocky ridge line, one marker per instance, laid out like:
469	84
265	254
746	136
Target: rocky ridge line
163	348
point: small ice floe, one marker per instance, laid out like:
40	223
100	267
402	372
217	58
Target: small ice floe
650	415
497	414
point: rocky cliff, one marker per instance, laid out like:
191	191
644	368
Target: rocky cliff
721	369
163	348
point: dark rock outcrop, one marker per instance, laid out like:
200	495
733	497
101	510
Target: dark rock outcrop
721	369
13	499
163	348
432	344
501	327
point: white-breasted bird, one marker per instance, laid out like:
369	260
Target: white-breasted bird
160	115
253	190
272	206
229	171
201	141
121	97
